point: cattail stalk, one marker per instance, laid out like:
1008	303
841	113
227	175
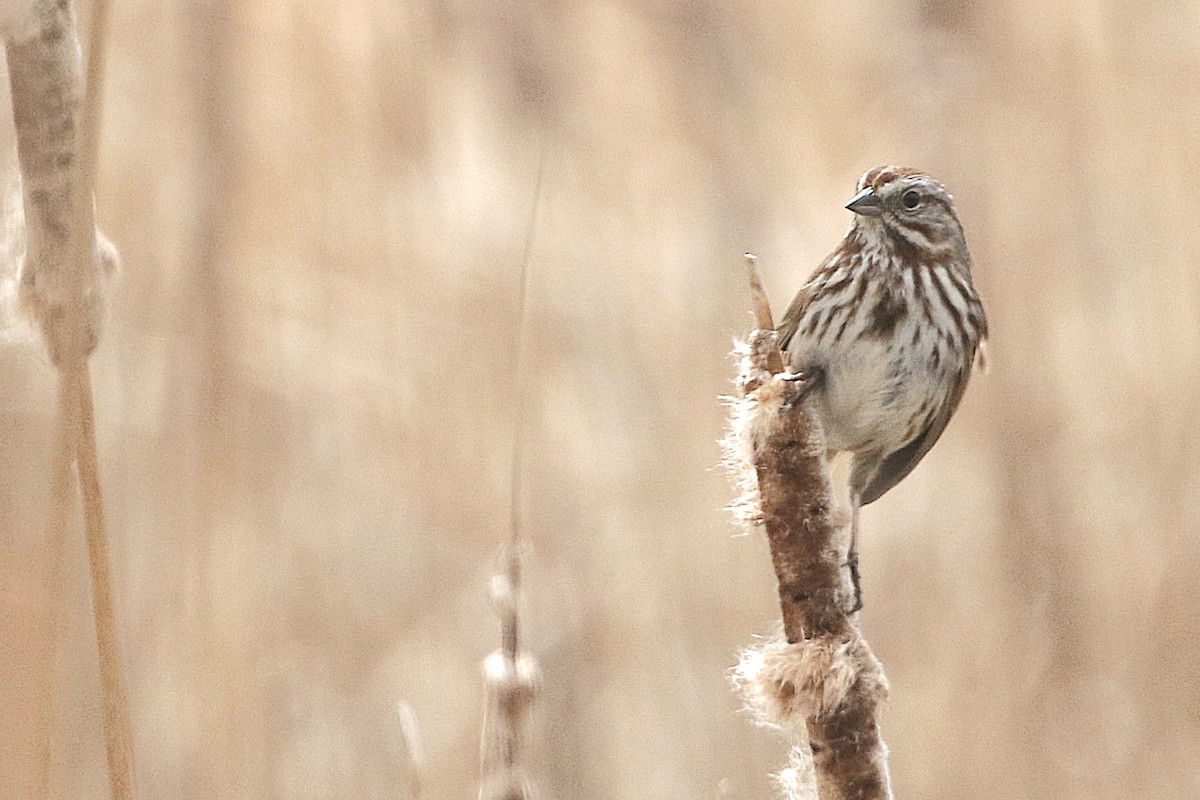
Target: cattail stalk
67	261
64	277
818	680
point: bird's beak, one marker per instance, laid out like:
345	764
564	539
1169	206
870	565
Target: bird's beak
866	203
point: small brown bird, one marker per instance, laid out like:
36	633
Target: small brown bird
887	331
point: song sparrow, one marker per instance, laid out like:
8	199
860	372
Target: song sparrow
886	331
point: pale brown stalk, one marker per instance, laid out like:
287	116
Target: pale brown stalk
62	499
414	754
117	727
511	676
819	681
762	310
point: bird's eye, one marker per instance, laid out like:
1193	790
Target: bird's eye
911	199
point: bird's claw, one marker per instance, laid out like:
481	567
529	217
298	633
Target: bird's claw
852	564
801	383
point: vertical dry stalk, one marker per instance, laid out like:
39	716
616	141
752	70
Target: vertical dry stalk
511	677
68	411
414	754
63	280
511	680
820	681
117	727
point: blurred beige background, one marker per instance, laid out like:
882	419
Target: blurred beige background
307	400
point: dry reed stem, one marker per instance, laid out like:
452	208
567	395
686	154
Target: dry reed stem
762	310
414	754
511	680
511	677
118	730
820	681
90	246
63	281
512	686
59	519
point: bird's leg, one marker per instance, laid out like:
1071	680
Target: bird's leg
852	553
804	381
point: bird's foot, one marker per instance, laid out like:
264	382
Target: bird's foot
852	564
802	383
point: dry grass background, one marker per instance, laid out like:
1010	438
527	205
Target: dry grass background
306	398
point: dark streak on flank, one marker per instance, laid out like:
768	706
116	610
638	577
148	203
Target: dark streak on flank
951	308
827	321
887	313
926	274
841	283
810	321
837	337
860	291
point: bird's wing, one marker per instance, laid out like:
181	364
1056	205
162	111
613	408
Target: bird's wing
796	309
791	318
897	465
983	364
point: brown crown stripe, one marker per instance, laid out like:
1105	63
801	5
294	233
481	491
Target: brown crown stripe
882	176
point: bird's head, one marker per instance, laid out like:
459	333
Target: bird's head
900	207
